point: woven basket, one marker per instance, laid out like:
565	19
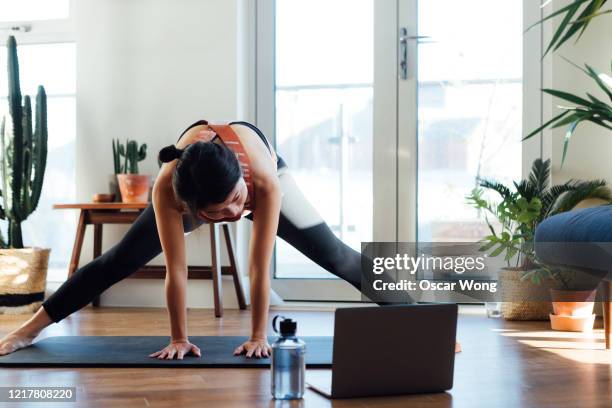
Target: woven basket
520	291
23	279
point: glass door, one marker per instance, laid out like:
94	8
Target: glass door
324	89
325	102
461	101
387	113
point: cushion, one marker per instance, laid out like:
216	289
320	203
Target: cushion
579	238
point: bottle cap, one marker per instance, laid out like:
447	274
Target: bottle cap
287	327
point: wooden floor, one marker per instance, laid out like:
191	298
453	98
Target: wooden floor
503	364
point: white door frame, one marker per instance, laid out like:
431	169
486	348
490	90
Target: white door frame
384	154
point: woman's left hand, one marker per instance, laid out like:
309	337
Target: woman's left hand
178	349
254	347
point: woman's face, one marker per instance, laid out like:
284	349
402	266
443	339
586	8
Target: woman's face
232	207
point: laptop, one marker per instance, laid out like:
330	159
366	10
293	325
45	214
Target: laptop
390	350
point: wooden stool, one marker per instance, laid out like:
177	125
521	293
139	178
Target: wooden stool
98	214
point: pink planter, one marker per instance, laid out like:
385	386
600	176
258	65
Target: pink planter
134	187
573	310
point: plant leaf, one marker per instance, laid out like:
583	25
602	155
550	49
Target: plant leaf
567	96
568	135
572	9
556	13
574	117
589	9
545	125
586	20
595	75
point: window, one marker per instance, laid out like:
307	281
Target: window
470	91
33	10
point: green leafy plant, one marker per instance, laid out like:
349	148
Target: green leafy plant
131	153
586	109
522	207
23	145
576	18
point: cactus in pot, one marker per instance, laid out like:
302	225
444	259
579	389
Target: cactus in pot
134	187
23	145
23	151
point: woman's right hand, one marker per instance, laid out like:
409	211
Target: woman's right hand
178	349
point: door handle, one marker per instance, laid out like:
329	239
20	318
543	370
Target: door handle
406	38
403	51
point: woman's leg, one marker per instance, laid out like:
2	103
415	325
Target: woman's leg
301	226
139	245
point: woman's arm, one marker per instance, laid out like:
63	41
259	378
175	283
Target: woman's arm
169	222
265	225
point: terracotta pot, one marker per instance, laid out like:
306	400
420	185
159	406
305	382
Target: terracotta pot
23	279
577	303
134	187
572	323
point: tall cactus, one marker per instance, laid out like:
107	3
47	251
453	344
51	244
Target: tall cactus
24	152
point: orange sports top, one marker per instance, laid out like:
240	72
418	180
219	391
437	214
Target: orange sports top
232	141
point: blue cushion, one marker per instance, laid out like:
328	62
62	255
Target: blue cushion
579	238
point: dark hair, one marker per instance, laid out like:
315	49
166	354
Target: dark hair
205	174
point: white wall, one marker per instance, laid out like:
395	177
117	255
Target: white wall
146	69
590	148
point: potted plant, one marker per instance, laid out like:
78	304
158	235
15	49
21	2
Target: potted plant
23	146
573	305
134	187
521	208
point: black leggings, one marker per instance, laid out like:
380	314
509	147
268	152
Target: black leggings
299	224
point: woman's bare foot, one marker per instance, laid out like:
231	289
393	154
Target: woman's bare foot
14	341
25	335
457	347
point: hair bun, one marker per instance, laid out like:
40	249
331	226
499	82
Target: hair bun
169	153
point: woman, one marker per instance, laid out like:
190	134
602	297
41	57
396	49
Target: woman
214	173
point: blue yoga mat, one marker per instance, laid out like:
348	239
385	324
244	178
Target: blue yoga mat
133	351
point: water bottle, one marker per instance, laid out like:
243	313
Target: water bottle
288	362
